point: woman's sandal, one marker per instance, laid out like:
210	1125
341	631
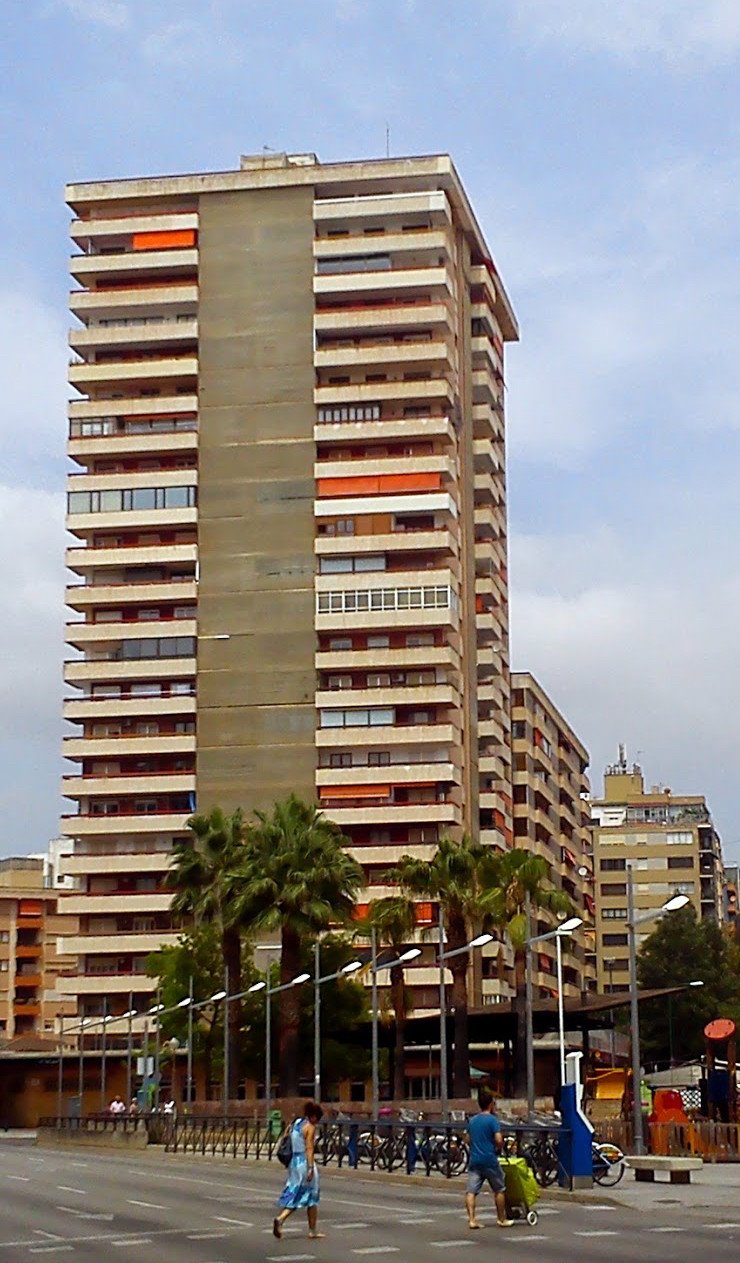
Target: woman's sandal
277	1228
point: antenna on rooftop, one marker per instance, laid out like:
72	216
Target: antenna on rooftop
387	140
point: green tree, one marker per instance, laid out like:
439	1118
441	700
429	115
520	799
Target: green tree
394	921
201	875
509	877
294	876
197	956
453	878
682	949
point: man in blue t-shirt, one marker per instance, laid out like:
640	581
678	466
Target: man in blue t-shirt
485	1145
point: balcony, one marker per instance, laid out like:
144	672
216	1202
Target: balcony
160	822
135	415
22	1008
137	707
144	783
410	281
134	266
138	902
381	208
81	635
407	353
153	298
89	863
394	243
434	541
442	694
84	596
86	231
164	368
117	943
394	467
434	391
446	733
97	747
363	319
395	773
383	430
380	659
113	671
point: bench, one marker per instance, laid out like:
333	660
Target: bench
679	1169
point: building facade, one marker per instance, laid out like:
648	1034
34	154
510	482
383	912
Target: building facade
552	820
31	971
288	505
732	888
671	845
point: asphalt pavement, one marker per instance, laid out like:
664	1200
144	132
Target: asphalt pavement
90	1205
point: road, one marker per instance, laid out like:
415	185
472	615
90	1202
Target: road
88	1205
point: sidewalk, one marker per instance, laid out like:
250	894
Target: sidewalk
18	1135
716	1188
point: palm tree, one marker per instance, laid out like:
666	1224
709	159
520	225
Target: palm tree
200	877
394	921
294	876
453	878
511	877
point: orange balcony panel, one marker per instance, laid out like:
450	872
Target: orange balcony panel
360	911
28	980
27	1010
28	951
355	791
372	485
29	923
174	240
423	913
30	908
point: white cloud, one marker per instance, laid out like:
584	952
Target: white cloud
192	42
113	14
685	34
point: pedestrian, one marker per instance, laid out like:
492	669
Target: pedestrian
116	1106
133	1108
486	1143
302	1185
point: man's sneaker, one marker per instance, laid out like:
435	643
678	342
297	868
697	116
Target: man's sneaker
504	1223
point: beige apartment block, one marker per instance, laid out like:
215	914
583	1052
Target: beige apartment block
32	996
552	820
288	510
669	842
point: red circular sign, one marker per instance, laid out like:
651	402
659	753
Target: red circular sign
720	1028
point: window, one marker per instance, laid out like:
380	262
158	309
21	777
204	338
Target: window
419	640
340	758
374	717
340	682
378	642
350	412
126	499
158	647
680	861
4	936
613	866
379	758
680	838
614	940
378	680
350	602
184	726
341	642
518	729
614	914
610	889
346	565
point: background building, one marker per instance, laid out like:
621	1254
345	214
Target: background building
289	511
670	842
732	889
552	819
30	968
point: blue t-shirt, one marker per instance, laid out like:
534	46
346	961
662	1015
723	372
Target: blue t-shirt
482	1130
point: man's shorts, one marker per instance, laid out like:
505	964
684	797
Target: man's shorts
487	1175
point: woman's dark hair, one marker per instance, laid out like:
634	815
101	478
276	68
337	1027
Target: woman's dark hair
313	1111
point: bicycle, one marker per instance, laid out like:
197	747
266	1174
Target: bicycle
608	1164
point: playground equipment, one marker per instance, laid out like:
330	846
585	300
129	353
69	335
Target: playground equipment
721	1045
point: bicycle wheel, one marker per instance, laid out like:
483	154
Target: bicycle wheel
609	1174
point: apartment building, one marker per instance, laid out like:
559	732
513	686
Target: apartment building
670	843
732	887
552	819
288	505
31	995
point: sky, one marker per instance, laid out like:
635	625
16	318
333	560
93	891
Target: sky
598	140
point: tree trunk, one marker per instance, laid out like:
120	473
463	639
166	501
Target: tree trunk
398	1000
520	1012
232	950
290	1015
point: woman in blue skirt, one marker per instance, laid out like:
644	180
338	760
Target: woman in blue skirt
302	1185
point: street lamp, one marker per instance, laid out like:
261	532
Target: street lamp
479	941
269	993
318	981
410	954
565	928
671	905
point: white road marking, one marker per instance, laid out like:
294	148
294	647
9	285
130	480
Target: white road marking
349	1227
289	1258
205	1236
440	1245
666	1230
732	1225
76	1164
131	1241
147	1205
48	1249
50	1236
237	1223
598	1206
24	1179
378	1249
604	1232
83	1214
531	1236
550	1210
67	1188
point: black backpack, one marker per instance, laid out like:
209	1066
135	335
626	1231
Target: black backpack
284	1151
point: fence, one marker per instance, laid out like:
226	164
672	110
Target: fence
157	1126
714	1142
437	1148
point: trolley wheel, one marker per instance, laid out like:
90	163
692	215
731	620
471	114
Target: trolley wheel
516	1212
532	1218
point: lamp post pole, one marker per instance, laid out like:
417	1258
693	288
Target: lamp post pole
443	1085
227	1049
561	1014
374	1004
268	1053
190	1048
157	1051
130	1050
612	1035
103	1053
80	1066
316	1021
529	1004
60	1072
639	1143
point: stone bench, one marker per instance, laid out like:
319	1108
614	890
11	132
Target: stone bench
679	1169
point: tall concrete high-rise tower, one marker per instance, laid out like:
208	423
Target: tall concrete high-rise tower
288	507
